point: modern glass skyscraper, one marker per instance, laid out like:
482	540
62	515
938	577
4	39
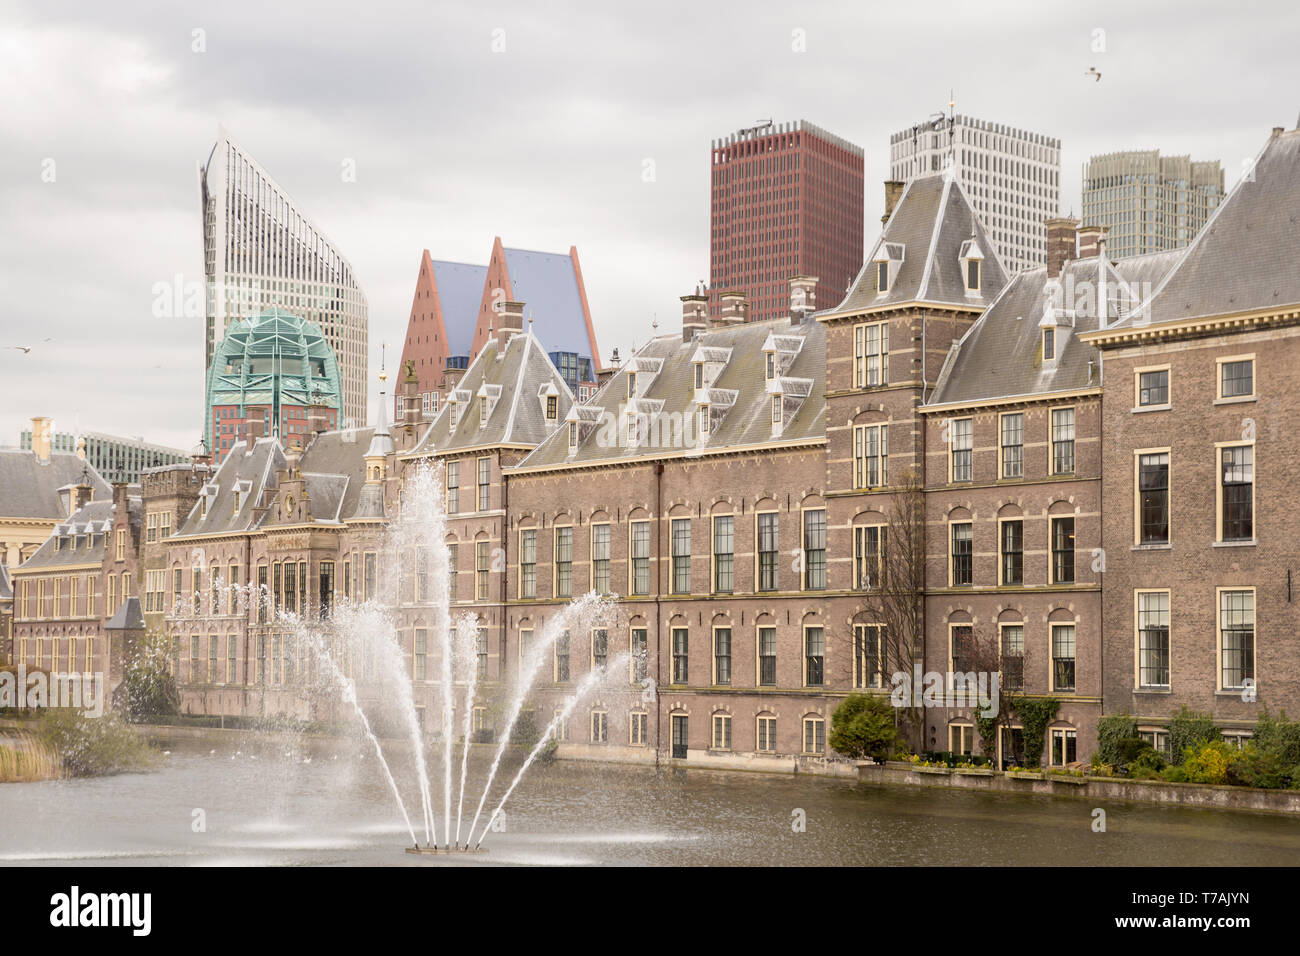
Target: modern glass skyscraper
1149	202
260	251
1012	176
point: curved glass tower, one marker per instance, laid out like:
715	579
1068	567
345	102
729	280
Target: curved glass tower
275	368
260	251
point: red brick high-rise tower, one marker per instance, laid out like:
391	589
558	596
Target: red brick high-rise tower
786	200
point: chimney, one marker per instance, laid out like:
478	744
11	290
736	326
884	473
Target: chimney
733	309
120	504
695	315
803	298
41	439
510	321
318	418
252	432
893	190
1090	239
1060	244
83	493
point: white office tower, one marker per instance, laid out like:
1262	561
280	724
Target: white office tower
1012	176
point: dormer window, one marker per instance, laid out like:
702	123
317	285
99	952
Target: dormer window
699	374
704	419
776	409
237	501
552	407
453	412
882	276
631	384
972	259
771	366
1049	344
573	436
482	411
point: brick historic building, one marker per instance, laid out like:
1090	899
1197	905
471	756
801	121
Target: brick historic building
1097	454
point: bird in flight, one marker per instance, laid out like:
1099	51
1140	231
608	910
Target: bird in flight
1092	71
25	349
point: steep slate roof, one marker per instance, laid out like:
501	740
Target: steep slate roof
460	290
94	520
517	418
671	393
6	585
931	223
1000	356
333	471
30	489
1244	258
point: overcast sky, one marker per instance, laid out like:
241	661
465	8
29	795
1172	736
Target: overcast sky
544	142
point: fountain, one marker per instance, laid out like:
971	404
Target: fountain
413	577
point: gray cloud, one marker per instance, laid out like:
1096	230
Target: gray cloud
543	144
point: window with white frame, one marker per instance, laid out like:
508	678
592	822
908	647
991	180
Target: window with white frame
640	545
766	735
1063	441
600	552
721	731
961	437
1063	657
1153	638
814	735
868	655
1236	638
722	655
1236	493
869	548
871	355
1013	445
1065	745
870	456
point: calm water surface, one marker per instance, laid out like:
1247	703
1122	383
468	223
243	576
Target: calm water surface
325	804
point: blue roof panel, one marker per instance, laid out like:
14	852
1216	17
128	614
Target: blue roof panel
547	284
460	290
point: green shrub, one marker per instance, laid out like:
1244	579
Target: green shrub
1256	767
1174	774
1280	736
863	726
1188	730
1208	762
1148	758
92	746
1112	731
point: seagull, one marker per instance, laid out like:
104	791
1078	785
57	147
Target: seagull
1092	71
25	349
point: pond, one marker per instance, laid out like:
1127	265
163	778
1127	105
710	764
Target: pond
247	801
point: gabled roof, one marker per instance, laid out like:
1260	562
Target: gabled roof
1244	259
741	385
249	472
930	226
519	371
30	488
1000	356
